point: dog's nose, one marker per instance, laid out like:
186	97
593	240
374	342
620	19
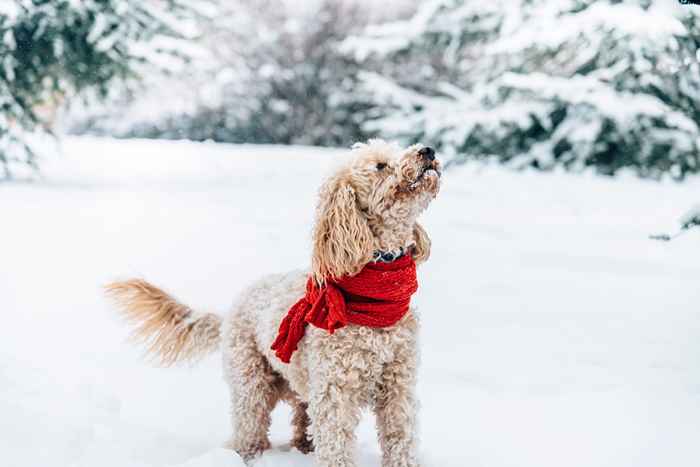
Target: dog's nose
427	153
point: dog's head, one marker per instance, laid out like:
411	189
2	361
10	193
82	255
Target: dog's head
371	205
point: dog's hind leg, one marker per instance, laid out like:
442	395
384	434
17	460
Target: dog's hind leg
301	436
301	439
255	390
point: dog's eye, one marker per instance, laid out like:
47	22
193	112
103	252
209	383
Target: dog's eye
381	165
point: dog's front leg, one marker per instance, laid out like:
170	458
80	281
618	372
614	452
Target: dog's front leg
333	408
396	408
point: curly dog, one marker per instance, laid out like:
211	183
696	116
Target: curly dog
367	213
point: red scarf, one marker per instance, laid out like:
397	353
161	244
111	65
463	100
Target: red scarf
378	296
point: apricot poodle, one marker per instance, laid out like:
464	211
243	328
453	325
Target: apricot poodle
367	213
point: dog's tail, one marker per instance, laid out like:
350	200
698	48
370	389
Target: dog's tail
172	332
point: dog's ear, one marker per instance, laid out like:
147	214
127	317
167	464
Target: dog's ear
421	248
342	239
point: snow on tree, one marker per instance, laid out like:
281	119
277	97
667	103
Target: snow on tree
542	83
272	74
297	87
52	49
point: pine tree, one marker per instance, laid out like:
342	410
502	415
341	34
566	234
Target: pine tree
52	49
543	83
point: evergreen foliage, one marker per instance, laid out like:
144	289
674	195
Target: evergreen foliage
542	83
598	85
295	86
52	49
270	74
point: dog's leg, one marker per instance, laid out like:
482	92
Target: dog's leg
301	438
396	408
334	408
255	390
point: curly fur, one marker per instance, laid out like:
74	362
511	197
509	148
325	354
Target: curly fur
370	204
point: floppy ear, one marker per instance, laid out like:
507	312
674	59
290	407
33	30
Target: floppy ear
421	249
342	239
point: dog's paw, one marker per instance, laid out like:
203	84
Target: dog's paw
249	450
303	445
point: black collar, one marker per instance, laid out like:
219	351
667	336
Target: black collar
388	256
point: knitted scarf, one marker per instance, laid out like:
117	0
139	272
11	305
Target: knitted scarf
378	296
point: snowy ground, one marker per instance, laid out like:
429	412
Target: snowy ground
554	332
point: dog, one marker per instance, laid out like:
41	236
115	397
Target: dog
367	213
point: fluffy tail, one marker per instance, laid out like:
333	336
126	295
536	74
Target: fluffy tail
172	332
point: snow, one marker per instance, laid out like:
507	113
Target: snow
624	19
624	107
553	331
9	9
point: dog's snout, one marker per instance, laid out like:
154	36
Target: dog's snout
427	153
